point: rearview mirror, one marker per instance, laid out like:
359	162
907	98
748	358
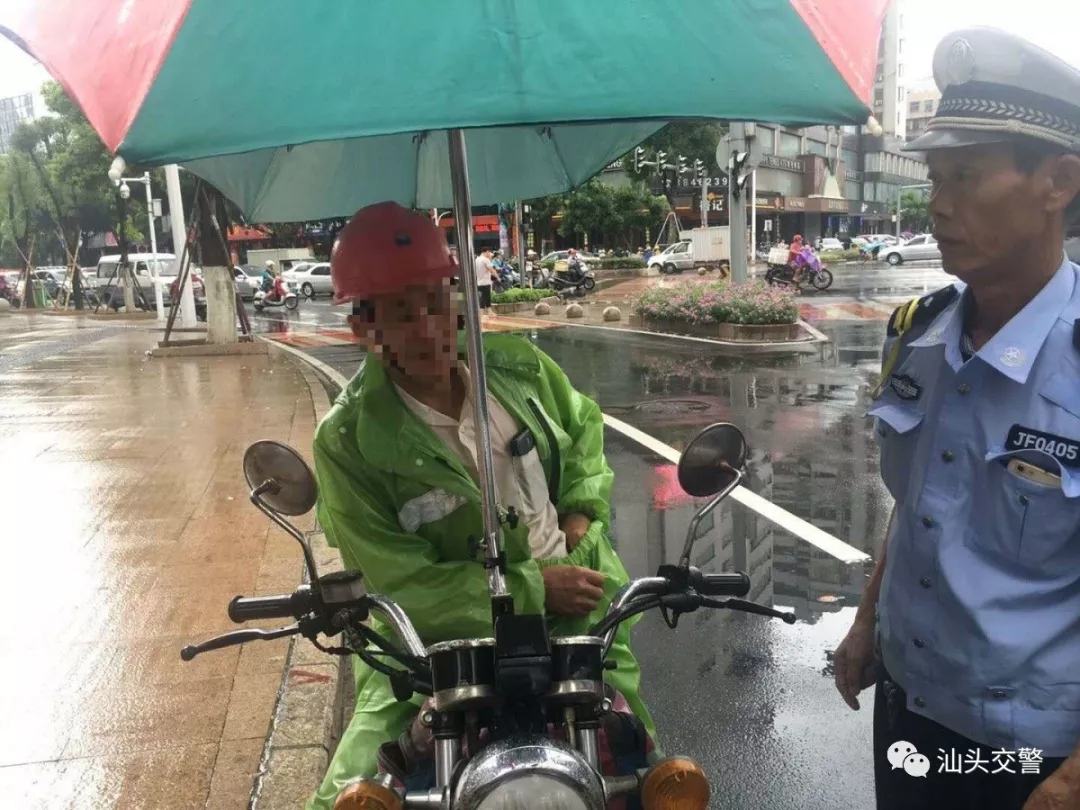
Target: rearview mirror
712	460
283	480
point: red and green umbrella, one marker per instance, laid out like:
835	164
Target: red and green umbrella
294	85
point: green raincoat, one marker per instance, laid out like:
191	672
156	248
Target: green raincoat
379	467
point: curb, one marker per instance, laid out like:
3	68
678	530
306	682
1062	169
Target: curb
810	344
316	688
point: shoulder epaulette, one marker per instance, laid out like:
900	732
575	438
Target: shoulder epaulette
920	311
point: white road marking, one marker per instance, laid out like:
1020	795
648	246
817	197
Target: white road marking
770	511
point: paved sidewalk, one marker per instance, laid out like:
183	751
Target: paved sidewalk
127	530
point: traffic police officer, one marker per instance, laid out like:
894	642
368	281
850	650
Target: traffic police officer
975	645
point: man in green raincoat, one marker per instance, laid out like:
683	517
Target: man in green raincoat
395	461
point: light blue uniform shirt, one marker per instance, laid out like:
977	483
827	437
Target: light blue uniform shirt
979	613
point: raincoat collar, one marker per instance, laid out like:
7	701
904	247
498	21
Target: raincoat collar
386	426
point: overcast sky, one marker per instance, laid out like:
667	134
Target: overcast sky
1051	24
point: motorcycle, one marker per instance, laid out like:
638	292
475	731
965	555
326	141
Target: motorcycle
817	273
566	286
515	715
263	300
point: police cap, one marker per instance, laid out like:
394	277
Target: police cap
997	87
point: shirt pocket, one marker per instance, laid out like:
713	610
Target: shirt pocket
532	484
896	431
1019	520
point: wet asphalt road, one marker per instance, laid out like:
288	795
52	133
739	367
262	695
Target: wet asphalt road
750	698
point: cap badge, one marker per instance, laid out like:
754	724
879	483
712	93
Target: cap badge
960	62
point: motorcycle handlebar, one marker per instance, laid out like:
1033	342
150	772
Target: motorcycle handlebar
252	608
736	584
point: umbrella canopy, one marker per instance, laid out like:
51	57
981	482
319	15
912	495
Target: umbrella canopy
335	178
293	84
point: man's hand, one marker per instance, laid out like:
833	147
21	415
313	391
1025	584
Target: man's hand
854	662
574	527
572	590
1059	791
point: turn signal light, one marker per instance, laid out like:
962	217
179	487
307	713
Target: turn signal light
366	794
675	784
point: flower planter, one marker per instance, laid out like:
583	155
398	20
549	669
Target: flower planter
734	332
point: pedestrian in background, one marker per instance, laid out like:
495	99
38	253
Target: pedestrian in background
485	277
975	645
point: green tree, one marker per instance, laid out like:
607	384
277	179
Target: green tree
914	214
611	215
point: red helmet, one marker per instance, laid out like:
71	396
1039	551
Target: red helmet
798	238
385	248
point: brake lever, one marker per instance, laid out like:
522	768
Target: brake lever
237	637
749	607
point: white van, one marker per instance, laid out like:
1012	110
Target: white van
144	264
284	258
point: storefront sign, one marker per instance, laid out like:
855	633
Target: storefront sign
614	166
777	162
852	175
794	203
769	203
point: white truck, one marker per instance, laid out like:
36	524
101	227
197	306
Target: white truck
699	247
284	258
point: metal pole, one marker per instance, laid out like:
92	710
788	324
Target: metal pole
159	296
737	210
705	202
179	233
753	214
127	272
899	193
459	182
520	246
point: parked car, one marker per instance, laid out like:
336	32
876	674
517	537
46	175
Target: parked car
248	280
829	243
144	264
52	278
917	249
311	279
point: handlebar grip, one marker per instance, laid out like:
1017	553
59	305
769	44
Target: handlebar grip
250	608
737	584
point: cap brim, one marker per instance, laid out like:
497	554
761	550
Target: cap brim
953	139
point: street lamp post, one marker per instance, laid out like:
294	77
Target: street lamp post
115	173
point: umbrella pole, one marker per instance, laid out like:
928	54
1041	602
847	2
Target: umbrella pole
494	560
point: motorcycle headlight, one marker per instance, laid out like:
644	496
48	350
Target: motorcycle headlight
529	773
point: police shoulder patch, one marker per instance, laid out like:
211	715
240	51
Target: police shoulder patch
904	386
1065	450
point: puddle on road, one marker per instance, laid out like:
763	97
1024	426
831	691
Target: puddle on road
812	448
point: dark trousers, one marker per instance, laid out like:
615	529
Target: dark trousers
978	789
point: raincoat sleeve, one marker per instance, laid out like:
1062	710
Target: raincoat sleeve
586	481
444	599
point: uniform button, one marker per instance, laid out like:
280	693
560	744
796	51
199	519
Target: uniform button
947	456
925	582
964	388
928	522
419	462
1023	500
920	702
918	642
999	694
